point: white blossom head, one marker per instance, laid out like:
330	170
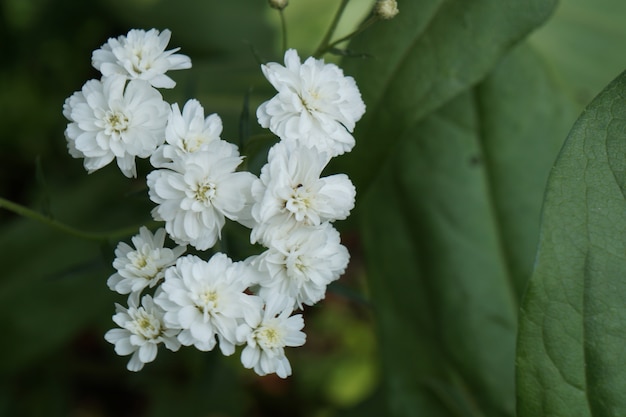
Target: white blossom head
186	132
302	264
111	119
202	190
207	300
140	55
316	104
141	331
144	265
267	339
290	193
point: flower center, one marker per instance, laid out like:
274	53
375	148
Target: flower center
145	263
145	325
295	267
116	122
207	302
269	337
192	144
299	202
205	191
310	100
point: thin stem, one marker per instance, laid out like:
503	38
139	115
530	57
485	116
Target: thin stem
34	215
373	19
283	23
323	47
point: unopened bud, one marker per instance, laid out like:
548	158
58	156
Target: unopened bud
278	4
386	9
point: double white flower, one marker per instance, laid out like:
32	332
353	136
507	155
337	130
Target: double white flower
200	191
141	331
140	55
207	301
267	337
187	132
290	193
142	266
316	104
302	264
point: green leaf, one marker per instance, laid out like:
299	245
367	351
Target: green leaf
584	42
450	227
430	52
54	285
570	357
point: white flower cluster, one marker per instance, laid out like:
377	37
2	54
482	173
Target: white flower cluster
195	185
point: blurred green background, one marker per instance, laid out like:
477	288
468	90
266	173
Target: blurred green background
53	296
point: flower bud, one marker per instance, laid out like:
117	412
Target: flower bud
278	4
386	9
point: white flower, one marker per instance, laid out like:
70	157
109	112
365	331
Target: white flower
186	132
110	119
316	104
141	330
302	264
140	55
195	199
208	300
290	192
266	340
144	265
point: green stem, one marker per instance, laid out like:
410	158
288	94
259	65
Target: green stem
324	44
34	215
283	24
373	19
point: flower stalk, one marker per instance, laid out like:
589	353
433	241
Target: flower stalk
324	45
70	230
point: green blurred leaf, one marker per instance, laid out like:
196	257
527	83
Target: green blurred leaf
573	321
430	52
54	285
219	28
584	43
450	229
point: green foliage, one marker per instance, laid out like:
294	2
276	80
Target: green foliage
428	54
571	346
460	198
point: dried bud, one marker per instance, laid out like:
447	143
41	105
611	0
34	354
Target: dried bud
278	4
386	9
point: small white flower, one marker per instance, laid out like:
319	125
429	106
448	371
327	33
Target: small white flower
290	193
316	104
144	265
208	300
141	330
266	340
302	264
140	55
187	132
195	199
110	119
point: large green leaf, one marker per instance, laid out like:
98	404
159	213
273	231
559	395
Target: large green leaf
54	285
573	321
430	52
584	42
450	228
